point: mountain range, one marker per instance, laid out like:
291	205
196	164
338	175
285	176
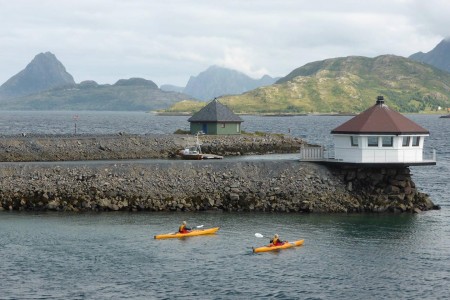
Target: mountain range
346	84
46	85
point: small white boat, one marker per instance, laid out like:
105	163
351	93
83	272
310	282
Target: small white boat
192	153
195	152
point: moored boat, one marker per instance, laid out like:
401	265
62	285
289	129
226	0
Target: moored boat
195	152
286	245
191	153
194	232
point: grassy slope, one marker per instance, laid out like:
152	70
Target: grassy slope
349	84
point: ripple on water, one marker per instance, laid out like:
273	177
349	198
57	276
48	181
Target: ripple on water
104	256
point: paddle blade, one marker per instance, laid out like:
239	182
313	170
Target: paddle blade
199	226
259	235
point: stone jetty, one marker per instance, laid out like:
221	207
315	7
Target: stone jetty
125	146
176	185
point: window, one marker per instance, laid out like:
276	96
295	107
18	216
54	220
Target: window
372	141
354	141
238	128
416	141
387	141
222	125
406	140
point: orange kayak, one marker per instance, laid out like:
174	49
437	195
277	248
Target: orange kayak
286	245
194	232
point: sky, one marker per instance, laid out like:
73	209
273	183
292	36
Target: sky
167	41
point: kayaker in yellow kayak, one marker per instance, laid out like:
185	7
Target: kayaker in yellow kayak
275	241
183	228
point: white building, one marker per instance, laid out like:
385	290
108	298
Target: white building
380	135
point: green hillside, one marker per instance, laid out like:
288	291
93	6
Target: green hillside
349	84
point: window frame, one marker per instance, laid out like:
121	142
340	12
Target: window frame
354	141
415	141
372	137
408	141
386	145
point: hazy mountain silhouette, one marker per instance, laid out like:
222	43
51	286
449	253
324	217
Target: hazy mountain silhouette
134	94
45	85
44	72
171	88
217	81
439	57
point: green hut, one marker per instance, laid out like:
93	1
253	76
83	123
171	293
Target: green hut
215	118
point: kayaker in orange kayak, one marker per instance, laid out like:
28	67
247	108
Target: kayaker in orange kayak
275	241
183	228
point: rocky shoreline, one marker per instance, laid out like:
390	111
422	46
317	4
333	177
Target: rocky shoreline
176	185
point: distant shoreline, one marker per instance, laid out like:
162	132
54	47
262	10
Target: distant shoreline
183	114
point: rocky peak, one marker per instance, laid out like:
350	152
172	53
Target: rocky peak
44	72
439	57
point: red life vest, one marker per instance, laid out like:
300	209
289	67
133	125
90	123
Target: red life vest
182	229
277	242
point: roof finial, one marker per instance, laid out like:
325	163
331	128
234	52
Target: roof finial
380	100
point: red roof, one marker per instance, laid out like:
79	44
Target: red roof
380	119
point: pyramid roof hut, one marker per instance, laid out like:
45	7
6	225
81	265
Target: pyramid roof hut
380	119
215	118
380	135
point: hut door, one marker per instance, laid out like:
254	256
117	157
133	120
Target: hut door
205	128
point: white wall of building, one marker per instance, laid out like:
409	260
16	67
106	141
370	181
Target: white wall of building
363	153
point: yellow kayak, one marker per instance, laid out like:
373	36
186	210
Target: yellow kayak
194	232
286	245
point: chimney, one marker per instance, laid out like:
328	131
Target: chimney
380	100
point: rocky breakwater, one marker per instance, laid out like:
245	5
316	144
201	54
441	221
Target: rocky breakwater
233	185
124	146
380	189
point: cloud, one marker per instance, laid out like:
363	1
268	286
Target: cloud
168	41
240	59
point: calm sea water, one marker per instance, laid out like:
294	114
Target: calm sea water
114	255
